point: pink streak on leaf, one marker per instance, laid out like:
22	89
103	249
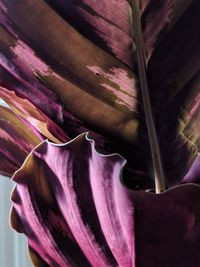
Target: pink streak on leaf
71	196
111	20
75	175
123	87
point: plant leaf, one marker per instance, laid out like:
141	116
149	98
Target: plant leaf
17	139
39	120
109	112
100	93
70	203
158	19
72	234
174	85
97	22
102	81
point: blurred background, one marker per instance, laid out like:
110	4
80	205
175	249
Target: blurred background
13	246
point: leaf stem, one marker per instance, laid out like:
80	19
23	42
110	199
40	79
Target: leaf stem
154	144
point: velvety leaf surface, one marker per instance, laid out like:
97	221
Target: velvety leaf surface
101	80
105	23
100	95
72	206
167	227
54	67
73	213
17	139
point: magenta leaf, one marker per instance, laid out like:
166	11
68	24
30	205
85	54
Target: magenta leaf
80	92
167	227
67	67
100	96
72	206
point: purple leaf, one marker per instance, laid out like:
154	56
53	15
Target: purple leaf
100	97
193	175
173	71
167	227
102	81
80	92
72	206
158	18
69	67
97	21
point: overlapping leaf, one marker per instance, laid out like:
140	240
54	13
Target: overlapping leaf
97	93
17	139
100	80
174	83
70	66
71	204
39	120
105	23
73	73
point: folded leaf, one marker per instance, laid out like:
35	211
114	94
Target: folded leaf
107	108
167	227
62	228
17	139
39	120
54	67
102	86
70	203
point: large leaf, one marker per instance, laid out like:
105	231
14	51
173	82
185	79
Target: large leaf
174	85
75	65
100	95
72	206
102	84
97	22
82	73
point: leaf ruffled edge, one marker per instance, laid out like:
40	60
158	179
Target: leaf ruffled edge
37	204
97	230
